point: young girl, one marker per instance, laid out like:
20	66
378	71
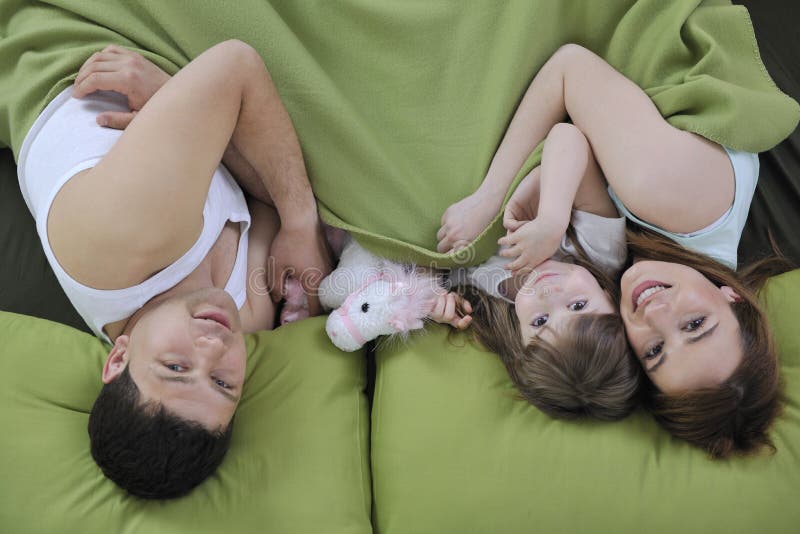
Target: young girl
694	323
551	314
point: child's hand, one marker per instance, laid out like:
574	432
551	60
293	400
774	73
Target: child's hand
118	69
452	309
521	207
531	244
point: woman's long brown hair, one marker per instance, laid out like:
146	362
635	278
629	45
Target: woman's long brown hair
733	417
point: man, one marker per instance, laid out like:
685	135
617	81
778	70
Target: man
158	250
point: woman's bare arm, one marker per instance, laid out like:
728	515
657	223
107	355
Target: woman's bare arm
671	178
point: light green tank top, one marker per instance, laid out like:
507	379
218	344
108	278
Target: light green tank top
721	239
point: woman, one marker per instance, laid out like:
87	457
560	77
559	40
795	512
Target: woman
159	251
690	304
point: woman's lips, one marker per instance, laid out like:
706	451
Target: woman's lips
641	288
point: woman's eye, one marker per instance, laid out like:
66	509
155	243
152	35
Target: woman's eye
540	321
222	383
653	351
694	324
175	367
578	305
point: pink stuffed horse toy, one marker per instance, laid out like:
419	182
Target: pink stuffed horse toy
372	296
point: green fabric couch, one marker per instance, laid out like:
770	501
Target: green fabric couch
455	450
298	460
399	108
450	448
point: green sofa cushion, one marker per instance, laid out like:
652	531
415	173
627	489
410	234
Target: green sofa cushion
297	463
454	450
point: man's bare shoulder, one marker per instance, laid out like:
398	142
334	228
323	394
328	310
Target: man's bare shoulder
102	247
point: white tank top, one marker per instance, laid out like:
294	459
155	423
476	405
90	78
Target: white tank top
64	140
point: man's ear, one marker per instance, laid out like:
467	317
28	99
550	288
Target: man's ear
117	360
730	294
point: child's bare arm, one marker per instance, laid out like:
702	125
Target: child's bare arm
524	202
592	195
566	160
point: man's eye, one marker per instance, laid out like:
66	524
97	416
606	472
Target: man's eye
694	324
175	367
653	351
578	305
222	383
540	321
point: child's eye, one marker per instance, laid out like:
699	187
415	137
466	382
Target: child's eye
540	321
175	367
578	305
653	351
694	324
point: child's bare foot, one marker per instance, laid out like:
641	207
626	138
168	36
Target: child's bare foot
464	220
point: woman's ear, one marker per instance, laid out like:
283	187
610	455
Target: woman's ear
730	294
117	360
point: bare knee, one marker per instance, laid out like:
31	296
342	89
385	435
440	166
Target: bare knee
567	129
566	133
570	54
240	52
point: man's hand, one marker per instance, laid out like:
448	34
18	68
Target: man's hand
118	69
303	253
531	244
452	309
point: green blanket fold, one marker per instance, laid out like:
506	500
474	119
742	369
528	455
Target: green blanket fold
400	106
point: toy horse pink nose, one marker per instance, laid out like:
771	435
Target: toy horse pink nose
343	337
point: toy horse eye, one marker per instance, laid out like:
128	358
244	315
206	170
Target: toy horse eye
365	307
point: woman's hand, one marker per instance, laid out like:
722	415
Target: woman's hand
452	309
300	252
531	244
464	220
118	69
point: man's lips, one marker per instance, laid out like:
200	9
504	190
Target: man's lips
641	288
216	316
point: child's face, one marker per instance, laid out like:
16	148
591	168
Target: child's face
553	294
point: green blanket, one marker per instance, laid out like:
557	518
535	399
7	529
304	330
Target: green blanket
400	106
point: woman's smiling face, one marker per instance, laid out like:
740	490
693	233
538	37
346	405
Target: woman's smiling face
680	325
